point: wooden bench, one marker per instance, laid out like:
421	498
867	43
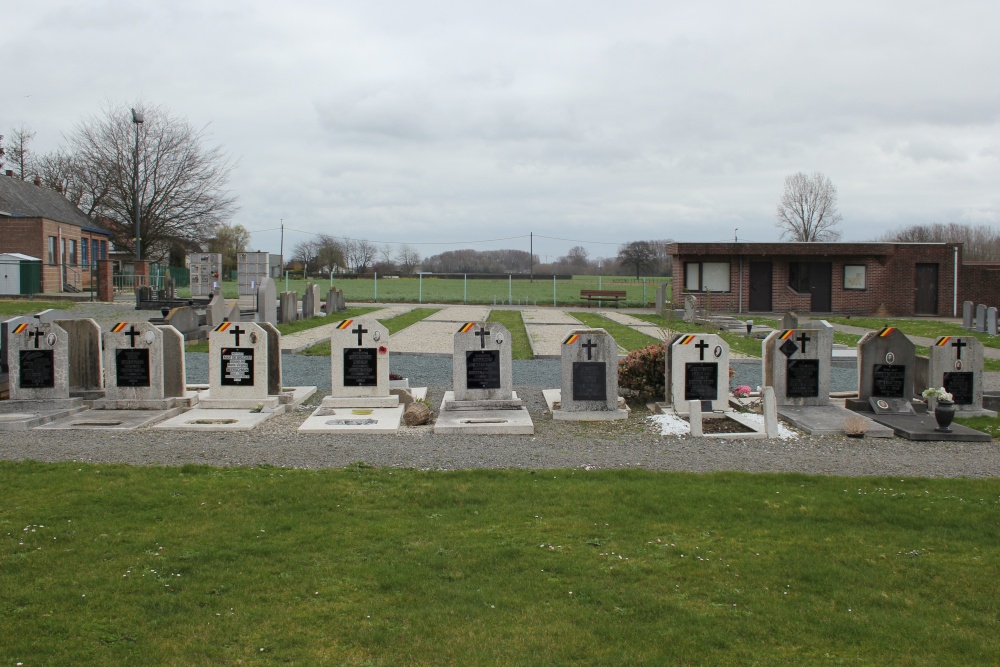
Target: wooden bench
600	295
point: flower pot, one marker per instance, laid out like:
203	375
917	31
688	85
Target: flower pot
944	412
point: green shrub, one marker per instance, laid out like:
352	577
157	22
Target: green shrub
642	373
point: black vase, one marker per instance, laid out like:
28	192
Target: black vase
944	412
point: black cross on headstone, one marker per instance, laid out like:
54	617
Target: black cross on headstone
959	344
590	345
702	346
803	338
236	331
358	330
36	334
482	333
132	333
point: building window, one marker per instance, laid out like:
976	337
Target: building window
71	258
104	249
798	276
84	247
96	248
52	250
854	276
706	277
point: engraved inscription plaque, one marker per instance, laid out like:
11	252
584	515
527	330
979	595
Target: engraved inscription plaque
132	367
802	378
959	385
482	369
237	366
38	370
590	381
888	380
360	367
701	382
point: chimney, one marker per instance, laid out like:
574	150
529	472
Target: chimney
38	181
10	172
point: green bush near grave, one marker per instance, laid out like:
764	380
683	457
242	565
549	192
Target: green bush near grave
108	564
642	373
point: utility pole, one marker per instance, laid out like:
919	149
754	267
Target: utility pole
281	252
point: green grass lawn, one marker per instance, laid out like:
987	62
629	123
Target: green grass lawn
512	320
922	327
738	342
442	290
26	307
303	325
109	565
626	337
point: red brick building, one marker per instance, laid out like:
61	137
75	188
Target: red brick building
844	278
42	223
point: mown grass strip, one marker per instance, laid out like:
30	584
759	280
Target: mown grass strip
626	337
738	342
512	320
923	328
24	307
196	565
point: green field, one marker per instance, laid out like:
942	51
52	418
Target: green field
113	565
492	292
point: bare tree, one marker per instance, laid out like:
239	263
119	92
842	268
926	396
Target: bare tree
979	242
330	254
3	152
18	151
385	258
59	171
638	254
408	258
360	254
181	184
808	209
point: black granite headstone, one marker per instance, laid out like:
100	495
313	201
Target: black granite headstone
590	381
38	369
959	385
360	367
237	366
802	378
888	380
132	367
701	381
482	369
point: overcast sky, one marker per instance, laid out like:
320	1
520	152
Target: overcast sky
452	122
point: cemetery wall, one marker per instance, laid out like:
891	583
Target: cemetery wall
979	282
890	274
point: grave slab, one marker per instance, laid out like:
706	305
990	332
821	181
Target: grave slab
216	419
553	399
111	420
381	421
922	426
483	422
25	414
827	420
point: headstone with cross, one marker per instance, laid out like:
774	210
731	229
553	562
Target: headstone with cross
956	363
244	365
886	372
698	370
143	367
797	364
359	364
38	357
482	362
589	373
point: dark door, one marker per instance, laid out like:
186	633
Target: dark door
821	287
926	301
760	287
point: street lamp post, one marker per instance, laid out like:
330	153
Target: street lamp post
137	120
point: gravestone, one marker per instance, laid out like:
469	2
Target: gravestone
185	319
483	400
690	308
335	301
360	400
981	317
790	320
288	309
956	363
991	320
5	328
661	297
310	301
244	366
38	358
797	368
86	372
267	301
698	370
52	315
967	308
233	313
143	367
589	378
215	311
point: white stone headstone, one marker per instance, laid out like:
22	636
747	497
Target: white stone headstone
238	362
143	362
482	364
38	357
359	359
956	363
698	370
